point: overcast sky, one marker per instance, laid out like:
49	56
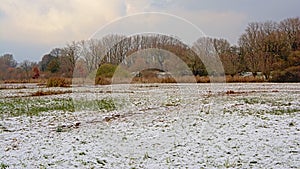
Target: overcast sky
30	28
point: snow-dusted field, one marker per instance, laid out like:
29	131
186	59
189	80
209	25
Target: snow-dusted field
156	126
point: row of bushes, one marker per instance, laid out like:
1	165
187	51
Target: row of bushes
58	82
291	74
106	72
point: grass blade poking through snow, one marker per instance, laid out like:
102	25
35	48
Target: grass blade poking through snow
33	107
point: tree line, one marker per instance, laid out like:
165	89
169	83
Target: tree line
268	48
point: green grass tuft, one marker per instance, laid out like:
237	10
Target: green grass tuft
33	107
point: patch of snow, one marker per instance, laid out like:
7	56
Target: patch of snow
161	126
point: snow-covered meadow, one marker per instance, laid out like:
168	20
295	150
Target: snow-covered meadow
152	126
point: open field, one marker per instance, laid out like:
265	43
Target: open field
253	125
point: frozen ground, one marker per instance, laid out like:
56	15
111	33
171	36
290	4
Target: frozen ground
159	126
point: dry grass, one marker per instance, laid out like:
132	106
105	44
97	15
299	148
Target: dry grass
80	81
66	82
202	79
50	92
230	79
186	79
12	87
182	79
234	92
58	82
231	92
241	79
153	80
43	93
103	81
17	81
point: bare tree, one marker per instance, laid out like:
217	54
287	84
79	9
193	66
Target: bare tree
7	64
291	28
204	47
8	60
92	51
268	41
250	47
229	56
262	45
27	66
50	57
70	54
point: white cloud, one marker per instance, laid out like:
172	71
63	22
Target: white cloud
221	24
56	21
135	6
27	26
217	23
59	21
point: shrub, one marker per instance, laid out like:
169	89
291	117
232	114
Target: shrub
202	79
291	74
244	79
104	74
106	70
58	82
168	80
102	80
